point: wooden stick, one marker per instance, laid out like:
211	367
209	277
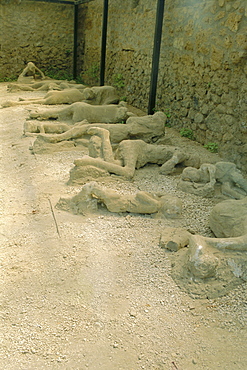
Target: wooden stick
53	214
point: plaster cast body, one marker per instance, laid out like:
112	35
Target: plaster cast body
29	73
79	111
35	86
133	154
228	221
147	128
202	181
210	267
96	95
142	202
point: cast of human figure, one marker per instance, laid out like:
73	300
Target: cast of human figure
213	258
30	70
45	85
141	202
76	112
133	154
227	219
67	96
148	128
99	95
35	86
203	181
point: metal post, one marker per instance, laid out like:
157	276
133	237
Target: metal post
156	55
103	43
75	41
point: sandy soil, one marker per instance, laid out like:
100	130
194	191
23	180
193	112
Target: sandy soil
96	292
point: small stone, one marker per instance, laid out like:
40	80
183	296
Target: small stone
133	313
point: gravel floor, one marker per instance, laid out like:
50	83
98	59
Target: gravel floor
100	294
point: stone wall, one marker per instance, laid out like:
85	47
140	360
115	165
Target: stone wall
39	32
203	73
89	41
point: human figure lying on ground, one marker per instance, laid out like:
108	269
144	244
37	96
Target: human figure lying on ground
92	194
227	220
204	259
94	95
131	155
76	112
30	70
148	128
202	181
45	85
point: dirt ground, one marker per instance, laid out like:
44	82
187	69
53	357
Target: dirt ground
95	292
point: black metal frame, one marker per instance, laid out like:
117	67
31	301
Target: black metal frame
54	1
76	7
156	45
75	41
156	51
63	1
156	56
103	43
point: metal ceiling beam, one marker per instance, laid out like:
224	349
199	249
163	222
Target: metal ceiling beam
55	1
156	55
82	2
76	4
63	1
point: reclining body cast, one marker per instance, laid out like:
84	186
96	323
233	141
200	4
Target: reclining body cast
133	154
